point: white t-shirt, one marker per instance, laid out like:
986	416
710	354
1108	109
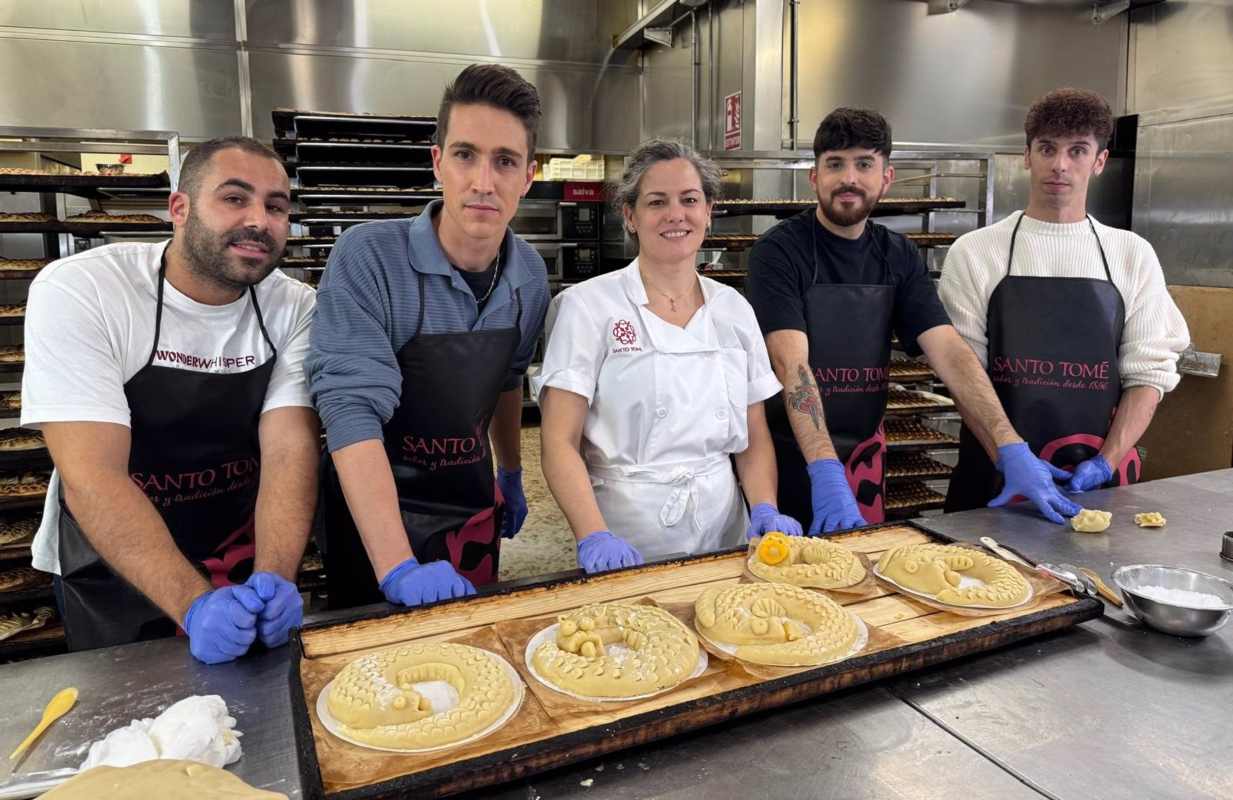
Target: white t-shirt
90	328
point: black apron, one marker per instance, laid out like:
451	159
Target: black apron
849	331
196	454
437	443
1053	361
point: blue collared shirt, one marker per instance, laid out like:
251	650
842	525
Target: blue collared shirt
368	309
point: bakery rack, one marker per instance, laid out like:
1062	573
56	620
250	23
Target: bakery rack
348	169
47	189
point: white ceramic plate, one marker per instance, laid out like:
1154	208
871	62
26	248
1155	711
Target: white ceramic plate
335	727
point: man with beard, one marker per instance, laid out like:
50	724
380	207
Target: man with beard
829	288
423	333
1051	292
168	381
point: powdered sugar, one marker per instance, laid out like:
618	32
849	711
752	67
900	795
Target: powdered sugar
1181	597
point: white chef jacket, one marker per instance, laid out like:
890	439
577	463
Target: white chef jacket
667	407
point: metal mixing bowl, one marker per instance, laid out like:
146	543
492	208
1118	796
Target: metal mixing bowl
1169	618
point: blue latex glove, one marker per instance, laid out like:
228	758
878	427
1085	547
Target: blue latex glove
834	506
222	624
412	583
1033	478
600	551
510	484
1090	474
764	518
284	608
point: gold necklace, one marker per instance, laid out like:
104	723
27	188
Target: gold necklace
671	299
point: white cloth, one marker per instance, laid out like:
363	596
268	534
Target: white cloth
667	407
197	728
1154	333
90	328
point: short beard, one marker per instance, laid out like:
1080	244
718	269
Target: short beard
845	218
206	254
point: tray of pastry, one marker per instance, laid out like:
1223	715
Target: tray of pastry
16	180
364	195
357	154
912	496
289	123
10	403
24	584
887	206
17	529
500	642
915	465
35	630
25	488
13	314
931	239
732	242
88	224
304	262
23	447
906	370
321	217
908	401
911	432
21	268
12	358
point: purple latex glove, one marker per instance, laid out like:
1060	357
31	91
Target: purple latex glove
834	506
222	624
284	608
1090	474
764	518
1033	478
510	484
601	551
412	583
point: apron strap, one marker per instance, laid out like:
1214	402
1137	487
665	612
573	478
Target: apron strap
252	293
1104	259
1010	260
158	305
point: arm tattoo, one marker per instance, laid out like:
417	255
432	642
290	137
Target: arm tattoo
804	398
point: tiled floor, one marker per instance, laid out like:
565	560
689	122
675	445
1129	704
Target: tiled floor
545	543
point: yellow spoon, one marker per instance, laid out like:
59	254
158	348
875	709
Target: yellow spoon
58	707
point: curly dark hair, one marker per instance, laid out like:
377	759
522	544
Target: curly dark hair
1070	112
497	86
845	128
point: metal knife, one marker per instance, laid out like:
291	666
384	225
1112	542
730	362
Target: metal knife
1095	586
1070	579
1004	552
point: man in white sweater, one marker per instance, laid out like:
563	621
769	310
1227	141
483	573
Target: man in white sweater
1070	317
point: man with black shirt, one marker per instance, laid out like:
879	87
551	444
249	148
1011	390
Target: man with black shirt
829	288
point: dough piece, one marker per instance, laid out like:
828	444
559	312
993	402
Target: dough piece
776	624
1150	519
27	484
10	401
935	570
165	779
654	651
1089	520
21	438
373	699
12	354
14	623
813	562
13	310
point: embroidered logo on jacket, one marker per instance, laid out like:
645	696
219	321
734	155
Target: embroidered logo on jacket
625	336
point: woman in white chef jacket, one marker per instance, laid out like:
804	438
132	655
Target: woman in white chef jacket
653	377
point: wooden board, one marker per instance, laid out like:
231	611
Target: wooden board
904	635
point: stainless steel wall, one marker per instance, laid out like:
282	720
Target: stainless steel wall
968	76
138	64
187	65
1181	85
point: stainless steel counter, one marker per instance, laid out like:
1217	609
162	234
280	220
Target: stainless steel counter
1108	710
1112	710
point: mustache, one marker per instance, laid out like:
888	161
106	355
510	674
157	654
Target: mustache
850	190
245	235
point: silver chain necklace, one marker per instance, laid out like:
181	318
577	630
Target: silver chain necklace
496	270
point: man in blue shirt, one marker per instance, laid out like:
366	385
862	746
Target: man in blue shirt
424	329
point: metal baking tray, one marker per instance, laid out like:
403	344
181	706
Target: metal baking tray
333	124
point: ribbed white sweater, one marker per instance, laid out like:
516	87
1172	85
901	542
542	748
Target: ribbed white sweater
1155	331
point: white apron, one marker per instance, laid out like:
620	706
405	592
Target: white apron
681	403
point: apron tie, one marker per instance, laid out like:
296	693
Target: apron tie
680	476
